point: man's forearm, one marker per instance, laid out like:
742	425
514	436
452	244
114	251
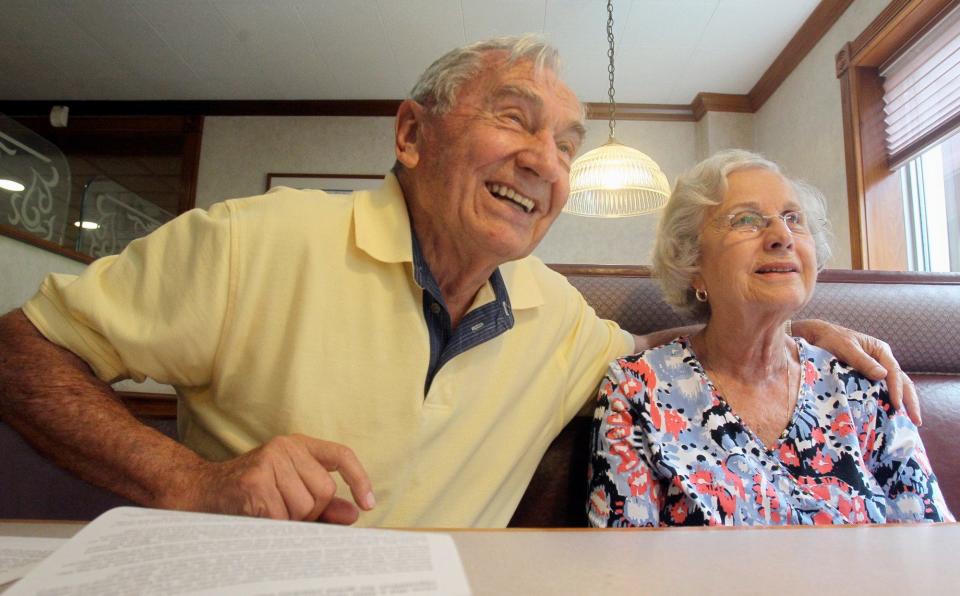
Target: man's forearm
53	399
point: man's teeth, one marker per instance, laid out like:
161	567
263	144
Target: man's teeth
508	193
777	270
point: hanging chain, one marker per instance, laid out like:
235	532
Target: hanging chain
610	70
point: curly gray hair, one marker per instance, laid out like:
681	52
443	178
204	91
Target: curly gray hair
437	86
676	253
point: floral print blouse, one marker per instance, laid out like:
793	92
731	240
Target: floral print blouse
668	450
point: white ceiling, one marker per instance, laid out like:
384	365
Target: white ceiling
667	50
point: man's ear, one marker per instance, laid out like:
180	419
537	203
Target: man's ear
408	125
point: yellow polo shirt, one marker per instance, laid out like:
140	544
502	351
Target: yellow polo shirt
297	312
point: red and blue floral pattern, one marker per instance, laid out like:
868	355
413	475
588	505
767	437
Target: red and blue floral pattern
668	450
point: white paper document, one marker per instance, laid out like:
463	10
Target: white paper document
129	550
18	555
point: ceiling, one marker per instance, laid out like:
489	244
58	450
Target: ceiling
667	50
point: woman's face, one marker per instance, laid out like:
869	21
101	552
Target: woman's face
760	270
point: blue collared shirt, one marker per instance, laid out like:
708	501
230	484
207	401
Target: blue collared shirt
477	326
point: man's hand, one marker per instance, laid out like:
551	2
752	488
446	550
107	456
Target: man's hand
867	354
288	477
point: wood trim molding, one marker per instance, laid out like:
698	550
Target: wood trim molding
827	275
151	405
720	102
850	104
28	238
895	26
641	111
820	21
191	164
601	270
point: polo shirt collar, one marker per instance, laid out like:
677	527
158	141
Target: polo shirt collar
382	228
382	224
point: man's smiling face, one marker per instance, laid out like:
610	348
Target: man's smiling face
495	168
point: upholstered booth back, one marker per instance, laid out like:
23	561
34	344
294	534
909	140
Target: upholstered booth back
918	315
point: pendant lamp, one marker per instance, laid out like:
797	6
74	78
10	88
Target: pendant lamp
615	180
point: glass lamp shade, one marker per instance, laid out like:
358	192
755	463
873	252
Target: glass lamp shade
616	181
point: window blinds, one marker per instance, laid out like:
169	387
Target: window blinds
921	91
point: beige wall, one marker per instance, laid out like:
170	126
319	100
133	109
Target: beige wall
23	267
723	130
238	152
801	125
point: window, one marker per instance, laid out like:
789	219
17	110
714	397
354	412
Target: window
930	187
900	87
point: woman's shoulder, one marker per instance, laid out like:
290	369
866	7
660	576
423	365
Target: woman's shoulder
657	358
829	374
823	359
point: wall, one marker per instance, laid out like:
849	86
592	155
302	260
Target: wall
23	267
238	152
723	130
801	125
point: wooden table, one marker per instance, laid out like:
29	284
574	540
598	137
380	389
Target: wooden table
896	559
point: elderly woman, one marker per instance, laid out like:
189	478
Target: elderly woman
741	423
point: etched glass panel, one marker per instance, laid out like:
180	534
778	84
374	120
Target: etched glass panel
34	182
111	216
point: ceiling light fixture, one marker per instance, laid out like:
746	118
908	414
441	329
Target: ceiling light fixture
615	180
11	185
86	225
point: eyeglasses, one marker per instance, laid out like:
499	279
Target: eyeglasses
751	222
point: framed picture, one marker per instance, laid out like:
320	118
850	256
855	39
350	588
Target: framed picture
332	183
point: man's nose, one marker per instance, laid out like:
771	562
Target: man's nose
543	158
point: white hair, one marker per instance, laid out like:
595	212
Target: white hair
438	85
676	253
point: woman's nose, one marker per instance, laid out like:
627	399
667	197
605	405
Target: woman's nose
777	234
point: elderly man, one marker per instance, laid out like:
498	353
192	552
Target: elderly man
401	338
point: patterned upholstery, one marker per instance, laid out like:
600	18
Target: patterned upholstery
917	333
918	315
